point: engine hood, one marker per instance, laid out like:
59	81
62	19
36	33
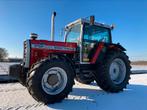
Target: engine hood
54	46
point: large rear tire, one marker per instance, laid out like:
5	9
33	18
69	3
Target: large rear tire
113	74
50	81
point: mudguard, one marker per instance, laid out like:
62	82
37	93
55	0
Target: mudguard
103	48
115	46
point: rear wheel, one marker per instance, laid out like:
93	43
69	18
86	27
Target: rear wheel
114	73
51	82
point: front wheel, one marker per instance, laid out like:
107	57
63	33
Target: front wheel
113	74
51	82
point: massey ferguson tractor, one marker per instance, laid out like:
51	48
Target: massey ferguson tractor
87	54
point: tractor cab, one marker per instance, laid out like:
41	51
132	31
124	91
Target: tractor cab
87	36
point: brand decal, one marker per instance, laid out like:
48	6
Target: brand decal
50	47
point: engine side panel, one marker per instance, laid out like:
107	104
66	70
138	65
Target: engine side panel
42	48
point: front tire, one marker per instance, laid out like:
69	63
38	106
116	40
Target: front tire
113	74
51	81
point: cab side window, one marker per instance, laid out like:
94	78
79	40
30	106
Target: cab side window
91	36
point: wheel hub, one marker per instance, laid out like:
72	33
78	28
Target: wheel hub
54	80
114	70
117	71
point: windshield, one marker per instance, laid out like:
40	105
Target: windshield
73	33
96	33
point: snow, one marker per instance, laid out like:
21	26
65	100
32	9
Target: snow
4	67
84	97
139	69
87	97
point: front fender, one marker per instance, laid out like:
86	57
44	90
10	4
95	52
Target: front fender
62	57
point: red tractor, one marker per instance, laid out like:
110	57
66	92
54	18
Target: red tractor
87	54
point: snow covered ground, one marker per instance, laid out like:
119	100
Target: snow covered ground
84	97
139	69
4	67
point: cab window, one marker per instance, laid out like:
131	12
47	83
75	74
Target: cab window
91	36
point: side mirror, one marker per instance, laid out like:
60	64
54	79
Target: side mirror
92	19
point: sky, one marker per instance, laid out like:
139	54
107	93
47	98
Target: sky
19	18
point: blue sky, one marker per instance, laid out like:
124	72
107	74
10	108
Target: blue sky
19	18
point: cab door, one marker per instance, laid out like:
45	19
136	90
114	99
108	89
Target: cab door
92	35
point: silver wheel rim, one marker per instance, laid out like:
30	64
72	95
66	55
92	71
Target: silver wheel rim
54	80
117	71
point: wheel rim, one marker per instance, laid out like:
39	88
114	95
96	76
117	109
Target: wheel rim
54	80
117	71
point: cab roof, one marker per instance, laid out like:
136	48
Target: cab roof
82	20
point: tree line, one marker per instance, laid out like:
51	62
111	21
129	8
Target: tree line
3	53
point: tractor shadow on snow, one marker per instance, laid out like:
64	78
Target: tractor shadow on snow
133	98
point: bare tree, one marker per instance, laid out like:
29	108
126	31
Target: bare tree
3	53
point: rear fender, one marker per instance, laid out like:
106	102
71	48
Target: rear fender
107	48
102	50
115	47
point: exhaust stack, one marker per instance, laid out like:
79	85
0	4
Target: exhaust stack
53	25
